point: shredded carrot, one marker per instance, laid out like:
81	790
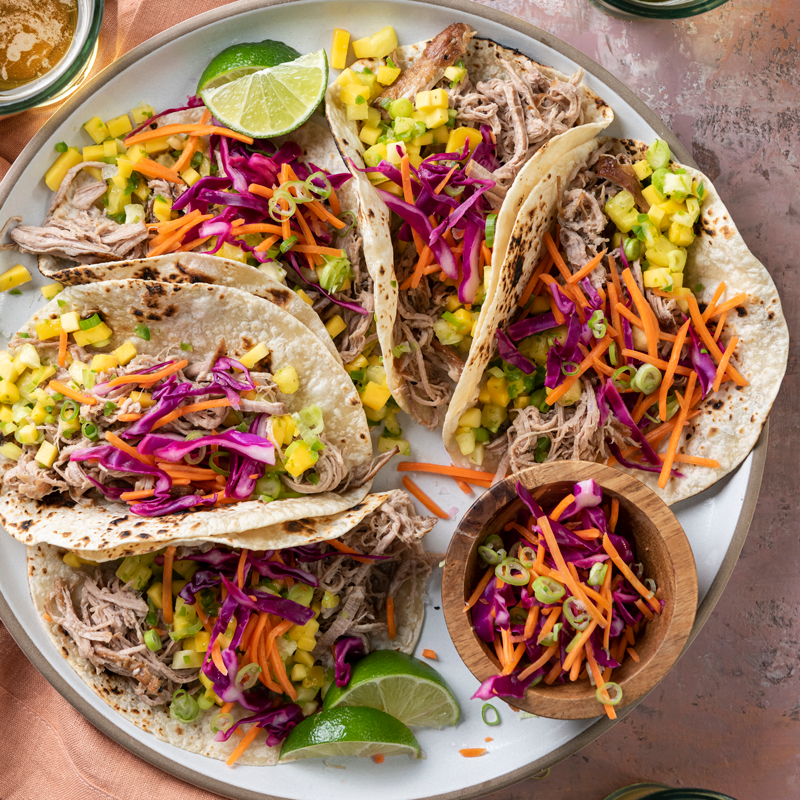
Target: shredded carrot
576	665
130	497
645	313
478	591
166	586
720	326
540	662
499	651
614	516
441	469
553	674
682	458
633	654
258	227
465	487
514	659
264	661
556	256
378	759
588	533
267	243
152	169
57	386
261	191
322	213
584	271
308	249
573	585
440	187
390	623
552	617
724	361
675	437
153	377
240	568
190	146
710	307
423	498
185	248
412	281
343	548
530	622
472	752
599	682
586	364
556	513
642	606
179	412
630	577
728	305
63	337
430	654
261	623
194	129
247	740
544	262
708	340
175	239
488	739
164	228
656	362
666	383
114	440
573	654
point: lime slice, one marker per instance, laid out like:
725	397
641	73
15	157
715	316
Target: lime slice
358	732
400	685
271	101
244	59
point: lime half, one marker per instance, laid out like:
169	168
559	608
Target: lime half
358	732
400	685
238	60
271	101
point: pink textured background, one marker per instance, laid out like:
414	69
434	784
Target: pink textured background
728	716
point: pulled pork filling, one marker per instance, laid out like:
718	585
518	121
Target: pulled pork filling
108	620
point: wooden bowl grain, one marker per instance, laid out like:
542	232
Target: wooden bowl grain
660	544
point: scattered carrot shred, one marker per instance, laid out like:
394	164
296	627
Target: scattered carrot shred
472	752
247	739
390	621
423	498
430	654
166	586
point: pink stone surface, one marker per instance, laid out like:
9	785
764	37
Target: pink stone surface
728	716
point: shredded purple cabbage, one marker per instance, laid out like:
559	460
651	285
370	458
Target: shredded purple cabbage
509	353
277	722
506	685
345	648
529	326
701	362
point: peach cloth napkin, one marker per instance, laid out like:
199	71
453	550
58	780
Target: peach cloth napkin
49	750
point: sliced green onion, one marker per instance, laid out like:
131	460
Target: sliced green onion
491	557
186	346
205	702
108	408
575	639
547	590
344	216
183	706
526	556
275	205
92	322
570	368
89	430
647	379
69	410
510	570
401	348
597	574
334	272
152	640
152	614
288	244
542	775
491	223
542	448
61	147
632	249
612	354
650	584
618	372
143	332
597	324
212	462
485	709
576	614
325	192
247	676
195	458
609	687
552	637
221	722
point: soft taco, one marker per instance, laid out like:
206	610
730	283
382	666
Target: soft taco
285	208
170	641
141	411
440	136
658	343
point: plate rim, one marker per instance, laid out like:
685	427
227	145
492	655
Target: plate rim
758	453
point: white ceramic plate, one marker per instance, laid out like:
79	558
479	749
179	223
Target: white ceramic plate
163	72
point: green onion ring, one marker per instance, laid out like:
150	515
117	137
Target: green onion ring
612	701
352	216
221	722
489	707
69	405
526	555
597	574
542	775
647	379
247	676
327	189
579	619
212	463
570	368
89	430
183	706
510	570
618	372
547	590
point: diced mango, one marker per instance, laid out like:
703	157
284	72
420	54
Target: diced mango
9	394
304	297
162	209
59	168
455	74
46	454
658	278
368	134
680	235
201	641
102	362
375	396
346	77
357	112
136	153
470	419
335	325
10	450
117	200
110	148
395	152
440	98
388	75
94	335
48	329
363	48
125	353
498	391
642	169
119	126
426	138
145	399
97	129
286	380
252	357
484	396
383	42
14	277
51	290
651	195
93	152
358	363
299	457
458	137
436	118
283	429
352	92
94	172
339	47
423	102
156	146
374	155
441	135
191	176
452	303
142	113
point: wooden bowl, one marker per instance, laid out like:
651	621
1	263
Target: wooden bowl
660	544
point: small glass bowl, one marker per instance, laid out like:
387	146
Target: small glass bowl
656	9
68	73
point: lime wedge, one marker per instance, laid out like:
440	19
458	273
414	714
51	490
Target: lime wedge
244	59
271	101
400	685
360	732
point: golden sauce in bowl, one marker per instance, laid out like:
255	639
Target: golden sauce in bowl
34	36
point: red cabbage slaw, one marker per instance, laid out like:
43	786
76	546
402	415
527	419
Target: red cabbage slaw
538	619
248	453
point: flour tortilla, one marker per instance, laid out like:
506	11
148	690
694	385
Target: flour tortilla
45	564
201	314
482	60
731	419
